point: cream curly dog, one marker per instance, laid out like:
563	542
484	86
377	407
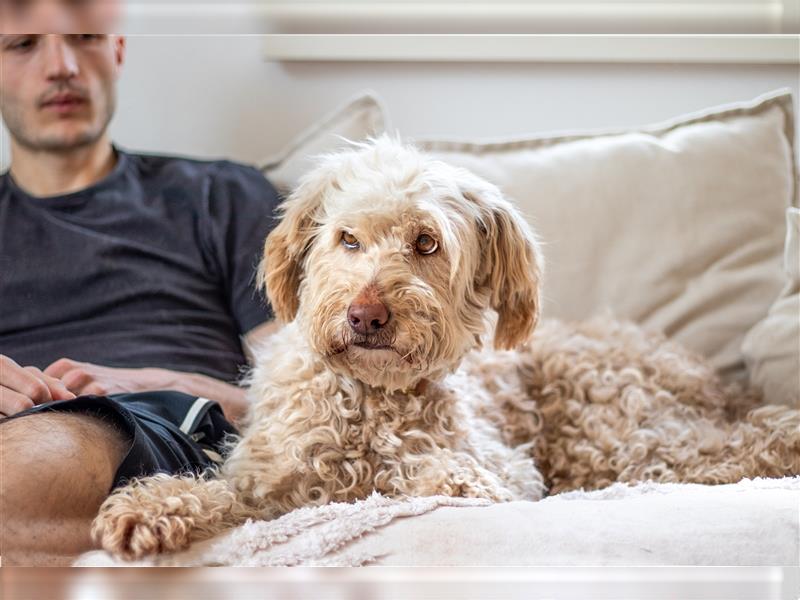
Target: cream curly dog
385	267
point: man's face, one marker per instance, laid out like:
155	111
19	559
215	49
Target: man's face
57	92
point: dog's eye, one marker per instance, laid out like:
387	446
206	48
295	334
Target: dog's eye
426	244
350	241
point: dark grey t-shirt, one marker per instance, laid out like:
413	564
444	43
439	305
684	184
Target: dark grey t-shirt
151	267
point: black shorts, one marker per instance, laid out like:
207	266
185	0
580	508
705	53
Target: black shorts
169	432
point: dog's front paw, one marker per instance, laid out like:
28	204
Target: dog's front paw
130	530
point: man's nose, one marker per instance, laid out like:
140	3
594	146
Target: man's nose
366	319
59	56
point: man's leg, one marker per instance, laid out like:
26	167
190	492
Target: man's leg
55	470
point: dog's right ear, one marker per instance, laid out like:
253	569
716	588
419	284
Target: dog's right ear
511	265
281	268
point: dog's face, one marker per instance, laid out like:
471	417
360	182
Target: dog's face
389	260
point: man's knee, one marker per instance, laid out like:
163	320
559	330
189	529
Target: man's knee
57	463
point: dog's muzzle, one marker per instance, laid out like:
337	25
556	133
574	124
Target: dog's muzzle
368	319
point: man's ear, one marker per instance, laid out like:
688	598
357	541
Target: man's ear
281	268
120	45
511	263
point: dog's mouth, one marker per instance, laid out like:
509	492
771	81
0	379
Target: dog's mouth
384	340
373	345
381	341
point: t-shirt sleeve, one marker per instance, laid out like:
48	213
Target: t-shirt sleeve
242	205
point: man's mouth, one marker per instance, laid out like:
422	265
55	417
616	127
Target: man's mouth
64	103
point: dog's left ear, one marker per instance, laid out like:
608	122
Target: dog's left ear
511	263
281	270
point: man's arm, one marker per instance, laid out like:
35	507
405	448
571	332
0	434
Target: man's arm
83	378
233	399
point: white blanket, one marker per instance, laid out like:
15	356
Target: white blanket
754	522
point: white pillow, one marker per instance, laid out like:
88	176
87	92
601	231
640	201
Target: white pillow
358	119
676	225
772	348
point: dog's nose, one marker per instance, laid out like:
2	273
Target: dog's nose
367	318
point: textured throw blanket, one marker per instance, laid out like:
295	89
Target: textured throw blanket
753	522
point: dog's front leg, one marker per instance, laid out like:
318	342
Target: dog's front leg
163	513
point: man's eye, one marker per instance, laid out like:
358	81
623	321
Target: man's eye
426	244
349	241
87	37
21	43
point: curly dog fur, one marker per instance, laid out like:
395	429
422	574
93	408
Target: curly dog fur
416	403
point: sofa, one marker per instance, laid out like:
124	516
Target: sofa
690	227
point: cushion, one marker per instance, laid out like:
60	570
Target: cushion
772	348
749	523
753	522
358	119
676	225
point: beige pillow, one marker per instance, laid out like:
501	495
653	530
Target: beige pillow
676	225
358	119
772	348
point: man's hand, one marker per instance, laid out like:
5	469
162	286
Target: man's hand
86	379
23	387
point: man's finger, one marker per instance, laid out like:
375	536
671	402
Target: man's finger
63	365
58	391
77	380
12	402
95	389
22	381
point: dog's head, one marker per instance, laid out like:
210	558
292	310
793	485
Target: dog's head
389	261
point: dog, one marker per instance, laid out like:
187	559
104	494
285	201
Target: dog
390	271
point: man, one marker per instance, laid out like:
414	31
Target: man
126	298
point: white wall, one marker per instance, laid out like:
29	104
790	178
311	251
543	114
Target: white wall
217	96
